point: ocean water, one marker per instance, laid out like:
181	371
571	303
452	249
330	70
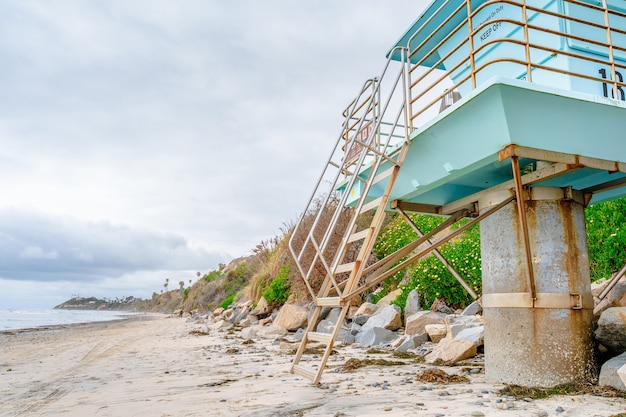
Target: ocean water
13	319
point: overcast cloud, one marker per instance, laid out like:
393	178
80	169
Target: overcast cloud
144	140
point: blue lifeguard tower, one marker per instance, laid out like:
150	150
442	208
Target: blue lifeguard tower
511	113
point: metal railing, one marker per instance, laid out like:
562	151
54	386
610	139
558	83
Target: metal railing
568	44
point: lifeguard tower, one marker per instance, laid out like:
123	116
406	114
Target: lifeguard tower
506	112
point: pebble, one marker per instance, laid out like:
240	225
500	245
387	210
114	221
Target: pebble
477	414
479	403
541	413
559	409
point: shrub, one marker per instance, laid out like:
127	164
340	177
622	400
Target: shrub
278	290
212	276
228	301
606	237
428	275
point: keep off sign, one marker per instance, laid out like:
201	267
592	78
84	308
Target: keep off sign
361	137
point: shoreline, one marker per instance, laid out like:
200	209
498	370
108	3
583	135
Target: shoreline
64	326
168	366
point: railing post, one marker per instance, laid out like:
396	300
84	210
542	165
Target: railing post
529	74
609	42
470	28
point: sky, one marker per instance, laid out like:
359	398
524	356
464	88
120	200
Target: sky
149	139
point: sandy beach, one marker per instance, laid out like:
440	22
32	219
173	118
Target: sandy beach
155	365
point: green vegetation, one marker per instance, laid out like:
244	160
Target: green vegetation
278	291
212	276
428	275
228	301
606	237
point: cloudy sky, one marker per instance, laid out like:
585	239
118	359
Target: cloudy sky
150	139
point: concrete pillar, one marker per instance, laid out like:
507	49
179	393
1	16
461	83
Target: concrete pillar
547	341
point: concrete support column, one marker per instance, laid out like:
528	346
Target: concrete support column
546	341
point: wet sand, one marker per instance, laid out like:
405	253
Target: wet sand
155	365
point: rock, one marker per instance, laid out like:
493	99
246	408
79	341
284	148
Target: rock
388	317
412	305
416	322
475	335
472	309
355	328
262	308
271	331
456	323
375	336
613	373
218	311
351	312
333	314
265	321
617	296
412	341
298	335
248	333
439	306
292	317
220	324
325	326
361	319
345	335
366	309
451	351
436	332
611	331
389	298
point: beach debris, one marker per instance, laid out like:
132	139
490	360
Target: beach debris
440	376
354	363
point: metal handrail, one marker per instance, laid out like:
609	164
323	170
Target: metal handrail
468	61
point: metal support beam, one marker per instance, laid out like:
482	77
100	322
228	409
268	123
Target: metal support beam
523	225
439	256
379	276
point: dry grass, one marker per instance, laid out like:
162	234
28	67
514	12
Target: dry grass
564	389
354	363
437	375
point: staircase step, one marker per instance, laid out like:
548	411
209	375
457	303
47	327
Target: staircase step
325	338
372	204
359	235
340	269
305	372
329	302
378	178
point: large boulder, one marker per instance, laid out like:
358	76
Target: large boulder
416	322
366	309
411	342
475	335
271	331
412	305
611	331
389	298
436	332
613	373
457	323
451	350
375	336
262	308
388	317
292	317
472	309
